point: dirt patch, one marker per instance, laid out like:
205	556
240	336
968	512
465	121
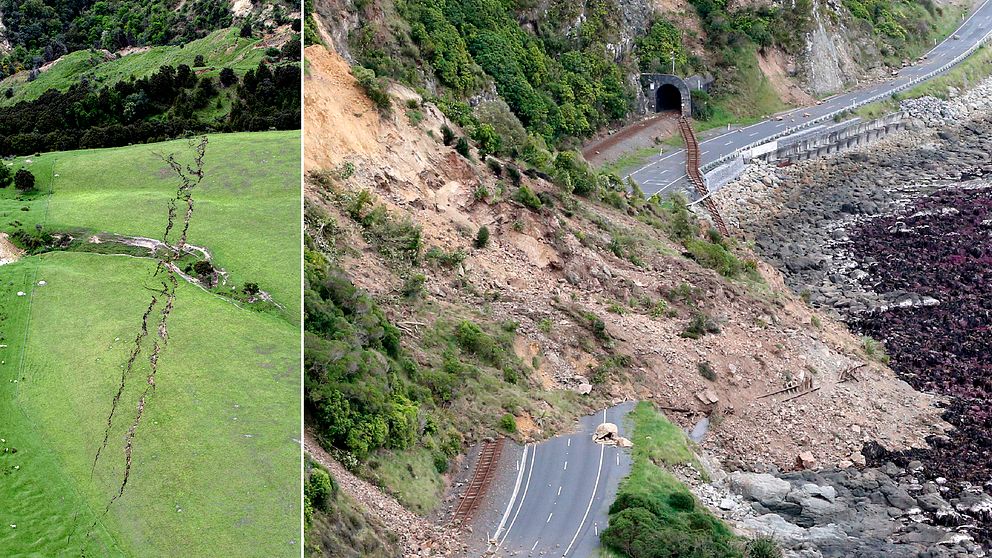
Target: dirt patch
341	120
8	252
778	68
644	133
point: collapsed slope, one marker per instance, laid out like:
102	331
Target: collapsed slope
604	294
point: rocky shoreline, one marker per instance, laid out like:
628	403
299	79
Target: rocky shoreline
896	240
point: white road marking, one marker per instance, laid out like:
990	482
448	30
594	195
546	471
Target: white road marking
565	468
549	517
559	491
569	444
535	546
516	487
523	497
592	497
618	459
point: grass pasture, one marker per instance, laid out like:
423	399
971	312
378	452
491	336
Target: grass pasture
216	457
251	186
222	48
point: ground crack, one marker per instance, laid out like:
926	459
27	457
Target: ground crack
190	176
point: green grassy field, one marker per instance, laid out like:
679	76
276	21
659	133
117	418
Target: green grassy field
223	48
251	185
216	458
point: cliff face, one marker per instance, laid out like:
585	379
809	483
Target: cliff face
813	54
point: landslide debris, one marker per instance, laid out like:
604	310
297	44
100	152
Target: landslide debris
610	296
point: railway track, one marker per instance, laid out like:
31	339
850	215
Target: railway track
696	177
476	491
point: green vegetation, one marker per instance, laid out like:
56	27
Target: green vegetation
225	376
374	87
248	180
482	237
653	513
874	350
221	49
905	28
336	525
527	197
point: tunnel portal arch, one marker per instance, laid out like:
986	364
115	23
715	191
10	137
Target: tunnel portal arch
666	92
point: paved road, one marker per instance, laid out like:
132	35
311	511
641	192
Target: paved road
667	173
563	491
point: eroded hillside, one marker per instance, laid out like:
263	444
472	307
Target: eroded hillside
578	294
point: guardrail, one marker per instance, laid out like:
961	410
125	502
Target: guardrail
911	83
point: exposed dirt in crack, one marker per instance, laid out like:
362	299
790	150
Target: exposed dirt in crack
8	252
190	176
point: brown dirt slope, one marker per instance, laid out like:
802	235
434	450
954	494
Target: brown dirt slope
552	270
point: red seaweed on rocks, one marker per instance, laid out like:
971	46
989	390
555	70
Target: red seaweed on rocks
940	247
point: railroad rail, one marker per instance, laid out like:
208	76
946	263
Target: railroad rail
476	491
696	177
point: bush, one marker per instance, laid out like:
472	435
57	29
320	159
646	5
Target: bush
228	77
482	237
706	370
446	259
682	501
461	146
413	287
494	166
507	423
474	340
527	197
24	180
714	256
203	268
700	325
198	61
763	547
318	489
702	105
488	140
514	174
373	86
447	134
6	175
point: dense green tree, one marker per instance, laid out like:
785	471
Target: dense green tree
6	175
24	180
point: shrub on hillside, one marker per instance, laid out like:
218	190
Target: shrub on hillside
714	256
6	175
482	237
462	147
507	423
447	135
527	197
699	325
763	547
24	180
374	87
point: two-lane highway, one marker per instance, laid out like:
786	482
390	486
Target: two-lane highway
667	173
562	493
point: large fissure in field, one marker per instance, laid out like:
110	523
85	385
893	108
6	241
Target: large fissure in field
190	176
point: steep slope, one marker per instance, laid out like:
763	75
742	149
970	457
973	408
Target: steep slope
579	287
568	71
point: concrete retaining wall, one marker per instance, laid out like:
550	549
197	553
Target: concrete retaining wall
718	177
828	139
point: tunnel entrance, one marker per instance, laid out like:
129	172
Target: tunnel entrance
665	93
669	99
